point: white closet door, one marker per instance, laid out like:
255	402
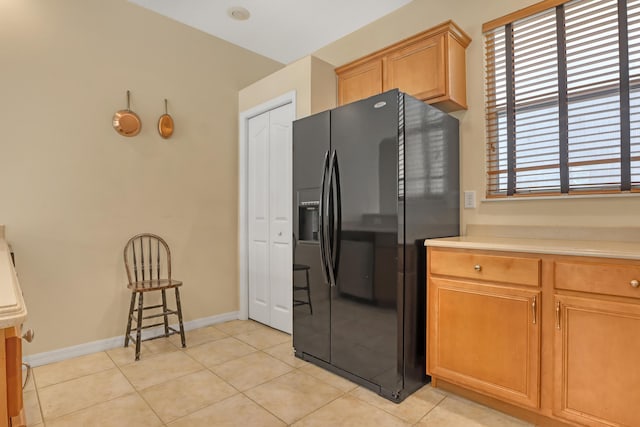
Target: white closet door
258	205
269	205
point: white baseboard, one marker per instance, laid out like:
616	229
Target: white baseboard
109	343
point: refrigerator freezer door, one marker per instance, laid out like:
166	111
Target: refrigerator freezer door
311	334
364	305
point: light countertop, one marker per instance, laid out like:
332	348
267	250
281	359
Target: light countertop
560	246
12	309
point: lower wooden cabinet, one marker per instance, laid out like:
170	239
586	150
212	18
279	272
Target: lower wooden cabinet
559	345
486	338
11	403
597	361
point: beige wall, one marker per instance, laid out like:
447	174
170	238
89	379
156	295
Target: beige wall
74	191
470	14
313	81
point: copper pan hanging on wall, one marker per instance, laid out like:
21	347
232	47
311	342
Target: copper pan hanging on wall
165	123
126	122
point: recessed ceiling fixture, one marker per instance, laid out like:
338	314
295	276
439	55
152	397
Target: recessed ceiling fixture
238	13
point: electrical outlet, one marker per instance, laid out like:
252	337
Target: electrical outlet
469	199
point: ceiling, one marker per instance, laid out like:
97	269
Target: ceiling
283	30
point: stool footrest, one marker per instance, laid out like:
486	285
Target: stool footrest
152	306
171	332
134	317
164	313
152	326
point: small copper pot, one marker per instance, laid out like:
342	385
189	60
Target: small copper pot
126	122
165	123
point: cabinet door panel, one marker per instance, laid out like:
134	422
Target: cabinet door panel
360	82
486	338
418	69
596	372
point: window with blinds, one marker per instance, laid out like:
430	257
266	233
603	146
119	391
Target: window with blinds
563	99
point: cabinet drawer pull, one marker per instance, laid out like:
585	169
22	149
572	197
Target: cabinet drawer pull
533	309
558	315
477	267
634	283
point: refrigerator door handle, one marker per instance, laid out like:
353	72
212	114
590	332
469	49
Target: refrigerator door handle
328	216
334	177
328	231
321	220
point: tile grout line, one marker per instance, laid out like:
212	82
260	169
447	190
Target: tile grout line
35	388
204	407
203	367
207	368
248	397
243	393
139	394
322	406
377	407
298	369
135	390
80	376
430	410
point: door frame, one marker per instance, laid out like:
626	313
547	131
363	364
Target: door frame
243	178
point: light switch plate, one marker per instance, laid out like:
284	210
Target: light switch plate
469	199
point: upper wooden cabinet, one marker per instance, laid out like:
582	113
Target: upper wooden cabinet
360	82
430	66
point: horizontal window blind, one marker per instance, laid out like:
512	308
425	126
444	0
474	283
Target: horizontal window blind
563	100
633	22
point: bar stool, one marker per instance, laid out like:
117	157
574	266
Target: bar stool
151	257
305	287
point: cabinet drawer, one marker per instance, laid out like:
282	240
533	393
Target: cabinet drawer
494	268
599	278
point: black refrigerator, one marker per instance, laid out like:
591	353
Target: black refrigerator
371	181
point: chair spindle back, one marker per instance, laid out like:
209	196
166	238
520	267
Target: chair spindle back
149	253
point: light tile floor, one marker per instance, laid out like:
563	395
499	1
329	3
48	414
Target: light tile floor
238	373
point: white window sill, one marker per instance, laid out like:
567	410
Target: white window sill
561	197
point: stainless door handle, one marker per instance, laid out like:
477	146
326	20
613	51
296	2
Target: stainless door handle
321	224
336	218
330	233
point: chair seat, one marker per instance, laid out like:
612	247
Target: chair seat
298	267
154	285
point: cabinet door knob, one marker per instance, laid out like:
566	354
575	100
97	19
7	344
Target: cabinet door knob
28	336
477	267
634	283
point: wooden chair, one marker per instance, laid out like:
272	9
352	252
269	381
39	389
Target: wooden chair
151	271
